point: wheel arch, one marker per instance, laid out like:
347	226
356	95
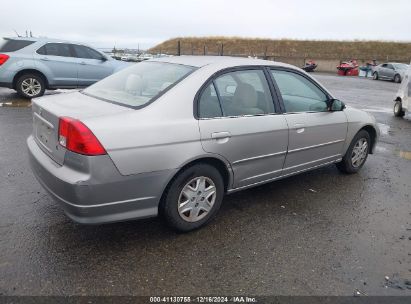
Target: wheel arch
216	162
29	71
373	136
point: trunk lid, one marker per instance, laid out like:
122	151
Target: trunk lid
48	109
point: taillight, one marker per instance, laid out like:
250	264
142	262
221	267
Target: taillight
3	58
76	137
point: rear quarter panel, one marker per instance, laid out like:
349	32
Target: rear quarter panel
16	63
163	135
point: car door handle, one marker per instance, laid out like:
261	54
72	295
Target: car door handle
299	128
83	62
220	135
45	59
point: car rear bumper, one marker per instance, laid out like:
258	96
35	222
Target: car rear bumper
92	191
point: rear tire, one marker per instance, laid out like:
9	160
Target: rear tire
193	198
30	86
375	76
398	111
356	154
397	78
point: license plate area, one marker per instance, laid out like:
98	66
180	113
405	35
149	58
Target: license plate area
44	132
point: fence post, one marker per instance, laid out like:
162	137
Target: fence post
222	49
204	50
178	48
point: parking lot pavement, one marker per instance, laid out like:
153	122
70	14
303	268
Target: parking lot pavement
319	233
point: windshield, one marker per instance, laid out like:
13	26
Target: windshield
139	84
400	66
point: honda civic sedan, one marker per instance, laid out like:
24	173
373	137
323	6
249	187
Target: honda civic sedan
171	136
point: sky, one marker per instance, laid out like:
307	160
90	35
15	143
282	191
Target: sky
132	24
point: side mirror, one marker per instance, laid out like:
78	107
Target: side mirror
104	58
335	105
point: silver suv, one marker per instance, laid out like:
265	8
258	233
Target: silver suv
32	65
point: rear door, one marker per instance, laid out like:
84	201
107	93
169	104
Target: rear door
317	135
390	72
60	64
93	66
238	121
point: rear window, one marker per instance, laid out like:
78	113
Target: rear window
11	45
136	86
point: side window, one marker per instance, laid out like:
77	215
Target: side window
86	52
42	51
244	93
390	66
226	85
55	49
384	65
209	106
299	94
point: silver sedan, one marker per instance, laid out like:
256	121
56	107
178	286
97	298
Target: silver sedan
390	71
172	136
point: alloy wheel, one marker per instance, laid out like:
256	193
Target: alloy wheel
31	87
359	152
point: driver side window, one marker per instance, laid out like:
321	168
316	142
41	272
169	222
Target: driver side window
298	93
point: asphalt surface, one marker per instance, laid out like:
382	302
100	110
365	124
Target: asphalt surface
319	233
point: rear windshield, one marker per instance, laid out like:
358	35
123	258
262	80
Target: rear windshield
400	66
139	84
11	45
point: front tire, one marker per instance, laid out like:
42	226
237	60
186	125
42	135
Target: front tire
397	78
356	154
30	86
398	111
375	76
193	198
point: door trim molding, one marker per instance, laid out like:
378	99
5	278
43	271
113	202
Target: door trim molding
259	157
315	146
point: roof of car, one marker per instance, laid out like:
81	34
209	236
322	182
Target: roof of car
44	39
200	61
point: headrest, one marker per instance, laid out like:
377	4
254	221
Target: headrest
245	95
134	84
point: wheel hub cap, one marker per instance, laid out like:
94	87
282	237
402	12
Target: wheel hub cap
196	199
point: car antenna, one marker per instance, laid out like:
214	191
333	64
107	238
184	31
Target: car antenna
16	33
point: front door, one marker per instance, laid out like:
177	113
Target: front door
237	120
390	72
92	65
316	135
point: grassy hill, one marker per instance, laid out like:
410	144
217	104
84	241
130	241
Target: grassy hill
316	49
